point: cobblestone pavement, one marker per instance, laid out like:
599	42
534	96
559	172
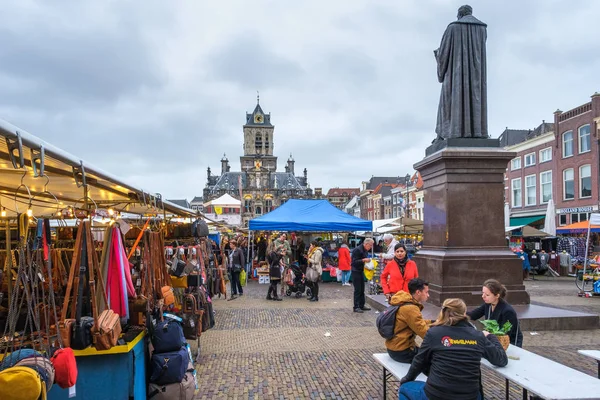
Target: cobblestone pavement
295	349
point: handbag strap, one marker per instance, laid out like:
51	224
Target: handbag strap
74	266
90	252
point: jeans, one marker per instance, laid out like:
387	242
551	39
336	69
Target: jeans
415	390
358	282
345	277
236	286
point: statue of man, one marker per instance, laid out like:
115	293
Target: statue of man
461	68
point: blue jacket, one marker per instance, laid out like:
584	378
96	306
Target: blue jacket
526	265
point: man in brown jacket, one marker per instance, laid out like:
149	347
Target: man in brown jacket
409	321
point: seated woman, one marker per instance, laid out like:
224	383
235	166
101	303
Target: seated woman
495	307
398	272
452	351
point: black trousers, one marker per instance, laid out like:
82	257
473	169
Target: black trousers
404	356
358	282
236	285
272	293
314	288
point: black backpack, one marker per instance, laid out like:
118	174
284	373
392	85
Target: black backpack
386	321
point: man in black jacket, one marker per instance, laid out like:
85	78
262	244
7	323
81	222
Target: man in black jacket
453	355
360	256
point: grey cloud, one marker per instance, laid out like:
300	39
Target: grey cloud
247	61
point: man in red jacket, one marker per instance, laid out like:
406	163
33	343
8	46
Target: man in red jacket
398	272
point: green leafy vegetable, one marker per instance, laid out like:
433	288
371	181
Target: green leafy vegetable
492	326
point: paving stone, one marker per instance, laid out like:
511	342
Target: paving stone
262	349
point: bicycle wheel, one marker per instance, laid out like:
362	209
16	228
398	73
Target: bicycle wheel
583	286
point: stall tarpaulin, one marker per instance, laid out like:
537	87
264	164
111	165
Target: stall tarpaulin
581	227
309	216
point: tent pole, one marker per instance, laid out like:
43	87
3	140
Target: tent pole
585	260
248	260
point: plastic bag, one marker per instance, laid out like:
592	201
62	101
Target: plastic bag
369	274
371	265
243	277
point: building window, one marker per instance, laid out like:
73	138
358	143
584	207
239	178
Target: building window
562	220
268	205
516	192
567	139
515	164
585	141
568	184
546	186
585	181
579	217
258	210
546	155
529	159
530	190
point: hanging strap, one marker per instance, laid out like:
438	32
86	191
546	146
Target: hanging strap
74	267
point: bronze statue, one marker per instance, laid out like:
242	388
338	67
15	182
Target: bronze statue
461	68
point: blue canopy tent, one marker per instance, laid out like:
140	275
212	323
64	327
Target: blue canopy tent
309	216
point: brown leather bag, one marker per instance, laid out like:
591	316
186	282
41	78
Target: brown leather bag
107	331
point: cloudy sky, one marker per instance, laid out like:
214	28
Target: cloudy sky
156	91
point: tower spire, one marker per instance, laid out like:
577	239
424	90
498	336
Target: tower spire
257	97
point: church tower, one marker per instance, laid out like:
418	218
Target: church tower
258	141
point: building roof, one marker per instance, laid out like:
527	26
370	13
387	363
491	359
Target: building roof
279	180
544	127
376	180
513	136
343	192
266	121
181	203
197	199
510	137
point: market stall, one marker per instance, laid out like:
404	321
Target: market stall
310	216
84	273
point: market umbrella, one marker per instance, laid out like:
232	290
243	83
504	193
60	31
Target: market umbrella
550	224
506	215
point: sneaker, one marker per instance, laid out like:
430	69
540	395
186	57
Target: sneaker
365	308
358	310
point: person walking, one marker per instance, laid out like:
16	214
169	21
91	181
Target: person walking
360	256
398	272
236	264
344	263
314	269
495	307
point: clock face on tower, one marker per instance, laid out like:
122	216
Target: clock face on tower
258	118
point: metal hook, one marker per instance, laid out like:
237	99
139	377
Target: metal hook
17	192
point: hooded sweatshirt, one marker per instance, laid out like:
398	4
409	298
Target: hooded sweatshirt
344	258
409	322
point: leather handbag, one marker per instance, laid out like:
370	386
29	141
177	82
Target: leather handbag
169	367
168	295
107	330
192	323
81	333
184	390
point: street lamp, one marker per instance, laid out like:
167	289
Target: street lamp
407	180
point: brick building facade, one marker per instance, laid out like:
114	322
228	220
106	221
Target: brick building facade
558	161
577	157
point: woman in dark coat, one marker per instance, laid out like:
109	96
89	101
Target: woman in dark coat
275	259
495	307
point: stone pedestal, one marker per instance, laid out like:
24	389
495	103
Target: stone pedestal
464	238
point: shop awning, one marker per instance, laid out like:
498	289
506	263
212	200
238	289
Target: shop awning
516	221
578	227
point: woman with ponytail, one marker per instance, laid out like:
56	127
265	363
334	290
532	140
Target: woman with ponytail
495	307
452	348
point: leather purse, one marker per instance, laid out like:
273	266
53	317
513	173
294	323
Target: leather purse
107	330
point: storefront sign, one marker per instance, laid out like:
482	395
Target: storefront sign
576	210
